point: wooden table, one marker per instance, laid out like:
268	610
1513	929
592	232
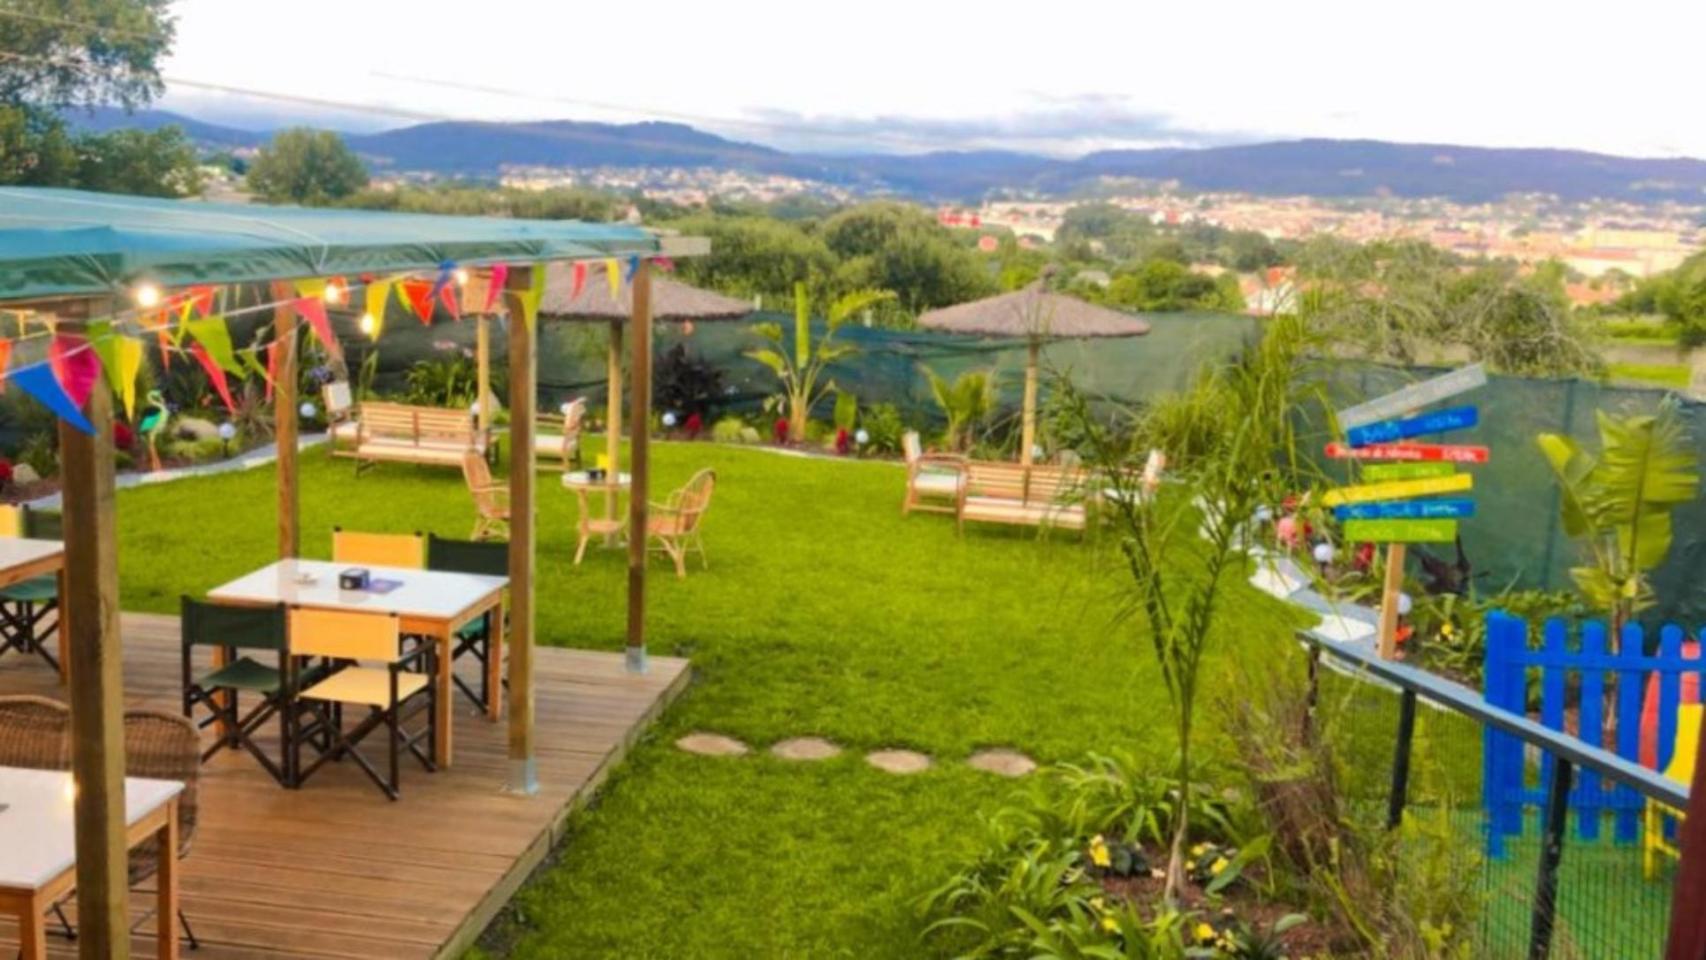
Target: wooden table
610	525
25	559
39	866
429	603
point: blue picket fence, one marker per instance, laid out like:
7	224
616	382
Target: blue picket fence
1583	662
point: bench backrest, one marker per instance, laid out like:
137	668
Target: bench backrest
1037	483
399	421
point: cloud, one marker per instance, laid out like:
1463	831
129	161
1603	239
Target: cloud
1055	125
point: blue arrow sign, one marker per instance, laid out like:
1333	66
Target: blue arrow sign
1449	508
1440	421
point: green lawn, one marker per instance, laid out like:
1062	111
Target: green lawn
1676	376
824	612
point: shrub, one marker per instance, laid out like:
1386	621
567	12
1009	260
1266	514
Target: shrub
41	452
883	428
687	384
730	430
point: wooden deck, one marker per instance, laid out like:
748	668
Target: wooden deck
335	869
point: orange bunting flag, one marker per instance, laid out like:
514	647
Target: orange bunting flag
5	360
202	299
500	275
215	374
577	279
418	295
447	296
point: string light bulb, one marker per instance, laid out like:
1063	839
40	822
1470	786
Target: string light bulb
367	324
335	293
146	295
461	276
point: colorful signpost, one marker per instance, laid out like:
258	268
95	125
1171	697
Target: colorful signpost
1400	498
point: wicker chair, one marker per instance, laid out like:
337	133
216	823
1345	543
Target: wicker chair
35	733
674	526
164	746
491	499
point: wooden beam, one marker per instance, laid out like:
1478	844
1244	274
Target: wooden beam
524	777
285	424
1028	433
97	687
483	379
639	455
613	416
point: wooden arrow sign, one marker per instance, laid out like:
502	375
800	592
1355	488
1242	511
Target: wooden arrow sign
1381	472
1399	490
1408	452
1400	531
1452	508
1415	396
1440	421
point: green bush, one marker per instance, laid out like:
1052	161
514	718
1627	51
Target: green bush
41	452
730	430
883	428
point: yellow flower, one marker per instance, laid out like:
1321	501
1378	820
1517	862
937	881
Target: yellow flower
1099	852
1205	933
1446	630
1197	850
1218	865
1110	924
1097	904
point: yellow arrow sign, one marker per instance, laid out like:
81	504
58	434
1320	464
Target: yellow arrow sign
1400	489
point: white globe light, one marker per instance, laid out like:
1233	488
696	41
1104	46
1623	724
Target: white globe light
566	408
1264	514
461	276
1036	450
1404	604
862	438
367	324
307	410
669	419
147	295
1323	552
474	408
227	431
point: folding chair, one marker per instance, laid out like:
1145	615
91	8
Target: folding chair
24	606
392	693
405	550
233	629
491	499
488	558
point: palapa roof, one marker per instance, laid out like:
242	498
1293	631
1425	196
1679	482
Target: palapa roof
1033	312
672	300
59	243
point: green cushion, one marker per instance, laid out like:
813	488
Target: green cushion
38	590
474	629
242	674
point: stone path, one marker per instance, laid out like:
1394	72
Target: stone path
997	760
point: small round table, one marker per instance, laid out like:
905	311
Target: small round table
609	526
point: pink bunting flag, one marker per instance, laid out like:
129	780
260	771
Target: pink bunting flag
500	275
202	299
313	310
75	366
447	296
577	279
664	263
215	374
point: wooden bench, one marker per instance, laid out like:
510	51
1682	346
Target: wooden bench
1039	495
400	433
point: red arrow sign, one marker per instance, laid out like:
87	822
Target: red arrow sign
1411	452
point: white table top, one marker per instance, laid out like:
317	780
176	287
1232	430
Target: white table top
430	594
17	551
580	478
36	821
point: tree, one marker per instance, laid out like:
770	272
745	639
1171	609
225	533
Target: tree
966	403
1680	296
754	256
801	369
1159	285
158	163
301	165
892	246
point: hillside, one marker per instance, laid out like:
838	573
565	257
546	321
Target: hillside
1322	168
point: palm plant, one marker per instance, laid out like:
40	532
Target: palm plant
965	402
801	370
1619	503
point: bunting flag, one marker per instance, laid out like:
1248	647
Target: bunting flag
127	353
665	264
629	269
447	296
38	381
500	275
418	295
213	335
315	288
313	310
5	360
443	279
215	374
577	279
534	295
615	280
202	299
75	366
378	296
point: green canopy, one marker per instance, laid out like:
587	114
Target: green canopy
58	243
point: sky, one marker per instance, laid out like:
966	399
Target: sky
1061	77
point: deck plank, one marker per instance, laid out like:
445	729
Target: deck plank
334	870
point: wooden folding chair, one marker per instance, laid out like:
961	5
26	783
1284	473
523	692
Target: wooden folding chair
405	550
491	499
394	692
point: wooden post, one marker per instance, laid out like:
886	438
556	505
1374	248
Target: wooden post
1687	940
97	693
524	775
640	455
483	378
285	424
1028	435
613	439
1394	584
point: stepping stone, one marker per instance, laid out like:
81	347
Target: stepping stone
712	745
898	761
805	748
1004	763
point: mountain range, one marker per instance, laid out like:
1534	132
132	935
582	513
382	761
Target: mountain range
1321	168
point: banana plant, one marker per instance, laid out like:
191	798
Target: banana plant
965	402
1619	504
801	370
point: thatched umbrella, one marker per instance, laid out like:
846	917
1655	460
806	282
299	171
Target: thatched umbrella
1037	315
672	302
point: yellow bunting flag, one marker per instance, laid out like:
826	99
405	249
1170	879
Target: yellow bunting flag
313	287
612	273
378	296
1399	489
128	359
534	295
213	335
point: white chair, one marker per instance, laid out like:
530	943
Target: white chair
932	479
342	424
557	440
